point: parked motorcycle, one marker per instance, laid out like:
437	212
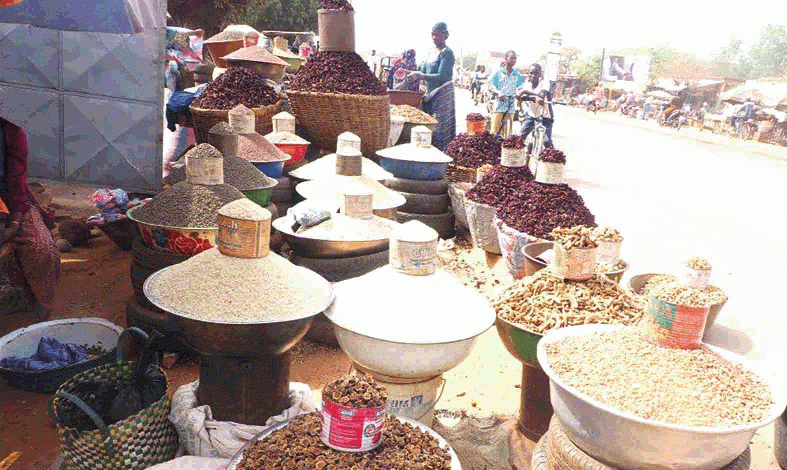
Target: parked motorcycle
676	119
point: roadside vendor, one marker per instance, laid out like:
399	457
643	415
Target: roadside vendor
505	83
31	260
437	72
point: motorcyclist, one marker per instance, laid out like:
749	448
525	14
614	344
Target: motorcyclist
536	90
479	78
674	106
744	113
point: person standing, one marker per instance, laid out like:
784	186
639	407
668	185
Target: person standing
439	101
31	259
505	83
536	91
479	78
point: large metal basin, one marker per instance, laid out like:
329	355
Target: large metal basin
624	440
637	283
317	248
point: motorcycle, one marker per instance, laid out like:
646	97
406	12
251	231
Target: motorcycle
676	119
481	88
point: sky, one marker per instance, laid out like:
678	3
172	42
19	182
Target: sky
700	27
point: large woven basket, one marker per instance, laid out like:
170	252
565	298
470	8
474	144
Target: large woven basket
326	115
138	442
205	119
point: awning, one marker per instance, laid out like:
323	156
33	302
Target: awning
768	94
104	16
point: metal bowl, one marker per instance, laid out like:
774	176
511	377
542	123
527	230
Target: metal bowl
24	343
521	343
455	465
181	241
315	248
624	440
637	283
240	339
413	170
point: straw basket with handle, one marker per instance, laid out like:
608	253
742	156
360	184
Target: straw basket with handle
137	442
205	119
326	115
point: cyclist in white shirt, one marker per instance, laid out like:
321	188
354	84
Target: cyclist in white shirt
536	90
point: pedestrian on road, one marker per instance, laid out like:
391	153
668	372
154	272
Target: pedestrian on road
505	83
29	259
536	90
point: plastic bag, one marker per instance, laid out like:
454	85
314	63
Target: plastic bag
203	436
309	213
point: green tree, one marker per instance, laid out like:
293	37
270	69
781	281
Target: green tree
589	70
661	59
568	56
769	55
469	61
731	60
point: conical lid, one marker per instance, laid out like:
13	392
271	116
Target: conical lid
286	137
330	190
431	309
254	54
419	149
257	149
326	166
238	173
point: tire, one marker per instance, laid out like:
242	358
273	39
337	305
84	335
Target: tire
140	316
282	195
283	183
273	210
282	207
442	223
341	269
405	185
144	262
425	203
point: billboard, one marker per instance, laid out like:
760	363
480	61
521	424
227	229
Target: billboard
629	68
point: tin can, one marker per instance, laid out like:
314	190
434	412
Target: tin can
676	326
351	429
549	173
513	158
251	39
576	264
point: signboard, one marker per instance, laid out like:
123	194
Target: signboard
627	68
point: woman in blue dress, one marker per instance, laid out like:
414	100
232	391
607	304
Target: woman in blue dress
438	73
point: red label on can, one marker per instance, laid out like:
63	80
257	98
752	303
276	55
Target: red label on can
676	326
351	429
251	39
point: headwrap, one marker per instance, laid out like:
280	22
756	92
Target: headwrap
441	26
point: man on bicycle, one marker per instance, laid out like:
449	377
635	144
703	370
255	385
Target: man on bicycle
536	90
505	83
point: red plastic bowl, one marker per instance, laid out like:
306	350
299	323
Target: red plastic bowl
296	151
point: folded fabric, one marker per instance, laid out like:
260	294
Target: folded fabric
51	354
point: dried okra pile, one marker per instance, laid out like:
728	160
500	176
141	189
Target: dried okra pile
356	392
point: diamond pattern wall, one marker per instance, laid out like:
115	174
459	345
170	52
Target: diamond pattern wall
29	55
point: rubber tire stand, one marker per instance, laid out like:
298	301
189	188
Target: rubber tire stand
432	204
442	223
417	186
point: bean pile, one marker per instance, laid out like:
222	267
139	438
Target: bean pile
514	142
609	268
499	184
578	236
226	36
187	205
237	86
356	392
700	264
223	128
607	234
544	207
682	295
474	117
238	173
255	54
472	151
204	151
687	387
715	295
553	156
244	209
335	5
298	446
544	302
337	72
256	148
412	114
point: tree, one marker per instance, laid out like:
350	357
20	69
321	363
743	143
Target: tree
661	59
568	56
589	70
469	61
769	55
731	60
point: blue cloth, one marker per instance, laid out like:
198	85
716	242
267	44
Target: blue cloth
3	184
507	84
51	354
179	104
529	123
439	71
442	105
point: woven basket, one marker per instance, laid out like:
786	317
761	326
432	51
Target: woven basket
139	441
205	119
326	115
461	174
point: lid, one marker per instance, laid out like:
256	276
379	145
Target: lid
413	249
204	165
257	149
236	172
348	144
285	137
432	309
244	230
415	153
254	54
284	121
329	190
217	288
340	228
326	166
357	201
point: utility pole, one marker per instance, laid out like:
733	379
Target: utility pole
601	65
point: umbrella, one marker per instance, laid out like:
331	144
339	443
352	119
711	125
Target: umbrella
106	16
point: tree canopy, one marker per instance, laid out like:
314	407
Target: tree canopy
215	15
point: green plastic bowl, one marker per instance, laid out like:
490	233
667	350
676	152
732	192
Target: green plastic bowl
259	196
520	342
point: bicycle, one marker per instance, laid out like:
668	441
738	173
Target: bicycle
534	143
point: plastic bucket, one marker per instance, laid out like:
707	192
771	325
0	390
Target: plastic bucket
512	244
296	151
480	221
351	429
336	29
271	169
414	400
676	326
577	264
475	127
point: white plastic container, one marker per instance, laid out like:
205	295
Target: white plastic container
550	173
413	249
513	158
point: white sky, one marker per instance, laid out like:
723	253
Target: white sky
700	27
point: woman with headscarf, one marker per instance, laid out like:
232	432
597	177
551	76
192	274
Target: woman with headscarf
407	63
438	72
28	253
